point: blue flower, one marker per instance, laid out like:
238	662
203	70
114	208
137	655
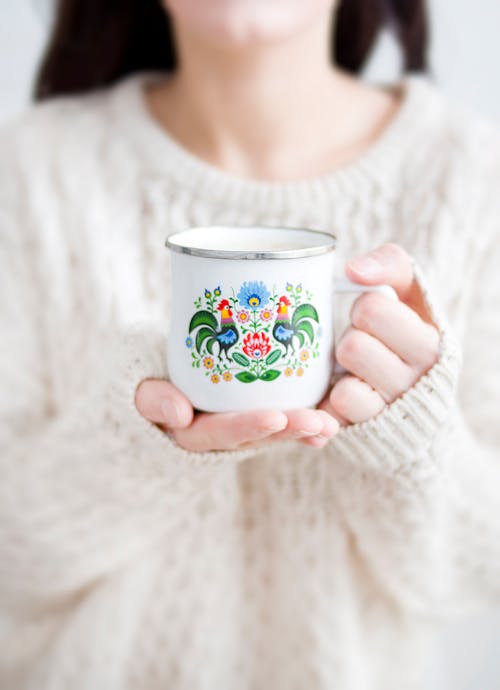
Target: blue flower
189	342
253	294
208	294
217	291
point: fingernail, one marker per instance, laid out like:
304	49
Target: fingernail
366	265
277	422
267	430
171	412
273	429
302	433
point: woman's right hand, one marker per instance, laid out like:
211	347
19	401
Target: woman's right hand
163	404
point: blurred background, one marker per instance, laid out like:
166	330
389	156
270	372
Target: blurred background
465	54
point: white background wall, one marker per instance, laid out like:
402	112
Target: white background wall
465	57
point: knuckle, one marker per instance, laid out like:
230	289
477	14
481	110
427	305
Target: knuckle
430	358
342	395
350	347
434	339
367	310
394	251
428	361
429	353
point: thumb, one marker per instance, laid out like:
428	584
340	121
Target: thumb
162	403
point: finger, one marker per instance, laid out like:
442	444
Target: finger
311	427
307	423
326	406
354	400
390	265
330	427
370	360
229	430
398	327
161	402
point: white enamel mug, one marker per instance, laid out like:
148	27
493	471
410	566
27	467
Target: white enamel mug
252	316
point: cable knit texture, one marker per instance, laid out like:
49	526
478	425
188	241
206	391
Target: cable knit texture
129	563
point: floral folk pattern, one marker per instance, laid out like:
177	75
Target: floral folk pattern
255	334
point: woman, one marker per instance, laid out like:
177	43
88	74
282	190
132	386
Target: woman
144	546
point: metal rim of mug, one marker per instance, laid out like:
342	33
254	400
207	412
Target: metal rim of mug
330	245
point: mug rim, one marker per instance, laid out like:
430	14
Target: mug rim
245	254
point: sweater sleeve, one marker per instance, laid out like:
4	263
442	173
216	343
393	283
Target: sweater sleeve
420	482
87	488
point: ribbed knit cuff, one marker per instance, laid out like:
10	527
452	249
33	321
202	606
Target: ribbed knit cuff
143	356
411	423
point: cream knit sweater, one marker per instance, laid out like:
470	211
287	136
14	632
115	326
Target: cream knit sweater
127	562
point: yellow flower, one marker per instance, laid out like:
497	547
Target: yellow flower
300	371
288	371
208	362
227	376
215	378
304	355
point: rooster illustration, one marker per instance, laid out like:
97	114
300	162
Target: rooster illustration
285	330
209	332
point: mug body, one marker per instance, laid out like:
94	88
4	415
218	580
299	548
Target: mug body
247	331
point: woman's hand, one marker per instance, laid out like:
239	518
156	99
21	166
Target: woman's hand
163	404
389	345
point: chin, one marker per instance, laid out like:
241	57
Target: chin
237	23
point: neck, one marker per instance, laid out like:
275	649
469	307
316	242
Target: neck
244	108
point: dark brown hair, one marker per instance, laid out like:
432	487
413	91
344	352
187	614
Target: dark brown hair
96	42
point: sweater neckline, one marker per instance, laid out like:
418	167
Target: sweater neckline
376	166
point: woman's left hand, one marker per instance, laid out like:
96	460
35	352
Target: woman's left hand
389	345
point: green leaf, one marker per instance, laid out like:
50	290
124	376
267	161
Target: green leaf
270	375
202	335
273	356
307	328
241	359
305	311
203	318
246	376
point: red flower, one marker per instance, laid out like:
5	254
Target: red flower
256	345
